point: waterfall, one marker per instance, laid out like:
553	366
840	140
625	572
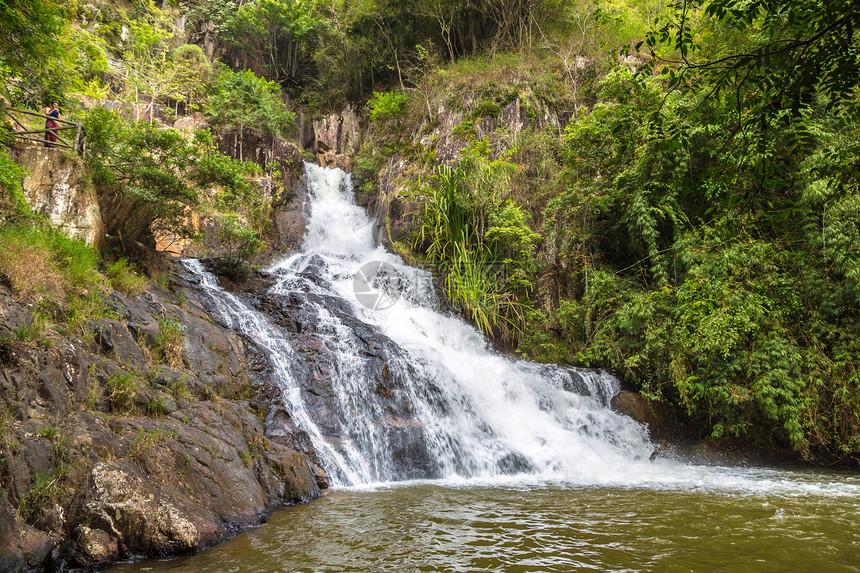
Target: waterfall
389	388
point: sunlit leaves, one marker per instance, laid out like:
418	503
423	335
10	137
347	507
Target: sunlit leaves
243	99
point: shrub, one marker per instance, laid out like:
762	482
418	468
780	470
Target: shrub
387	106
236	243
192	72
12	201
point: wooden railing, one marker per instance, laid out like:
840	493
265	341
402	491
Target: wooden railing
76	140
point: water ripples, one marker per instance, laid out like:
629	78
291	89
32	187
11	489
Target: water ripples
546	527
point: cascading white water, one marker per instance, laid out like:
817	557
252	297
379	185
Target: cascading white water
479	413
445	404
471	411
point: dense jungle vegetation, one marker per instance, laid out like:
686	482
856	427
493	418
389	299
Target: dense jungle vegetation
681	207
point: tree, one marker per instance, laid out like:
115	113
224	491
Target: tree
149	179
191	75
148	67
799	49
242	98
30	53
279	34
445	13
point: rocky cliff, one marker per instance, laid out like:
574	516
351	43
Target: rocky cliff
58	187
158	432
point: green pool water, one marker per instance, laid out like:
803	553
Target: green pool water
740	520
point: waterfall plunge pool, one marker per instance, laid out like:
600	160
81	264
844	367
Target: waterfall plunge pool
780	520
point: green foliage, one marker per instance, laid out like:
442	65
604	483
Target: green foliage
236	243
478	286
446	220
30	52
243	99
12	201
466	130
711	265
795	51
90	73
122	388
280	34
167	346
60	275
146	53
479	241
151	179
492	99
123	278
192	73
387	106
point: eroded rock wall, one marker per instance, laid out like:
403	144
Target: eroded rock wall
338	137
110	450
58	187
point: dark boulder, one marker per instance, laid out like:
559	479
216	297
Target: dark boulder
22	547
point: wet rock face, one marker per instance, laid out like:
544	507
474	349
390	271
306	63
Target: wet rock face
653	414
57	188
320	358
248	144
107	451
338	137
289	221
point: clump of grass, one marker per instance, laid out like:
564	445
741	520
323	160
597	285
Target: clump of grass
157	407
82	311
33	330
466	130
49	487
30	269
94	393
123	278
6	421
122	389
145	440
49	432
179	390
167	347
